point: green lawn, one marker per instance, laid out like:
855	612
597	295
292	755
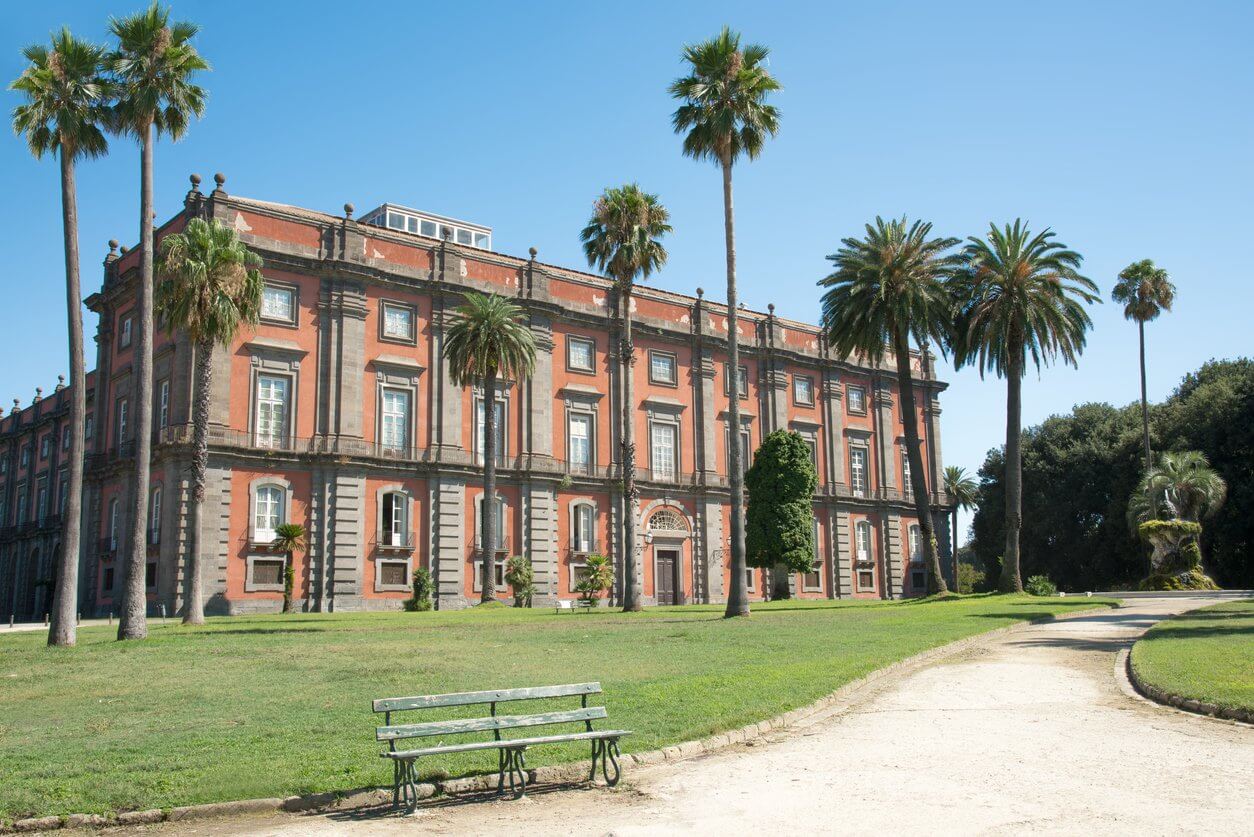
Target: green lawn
278	705
1205	655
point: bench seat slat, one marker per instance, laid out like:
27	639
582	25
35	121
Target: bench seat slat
506	743
463	725
490	696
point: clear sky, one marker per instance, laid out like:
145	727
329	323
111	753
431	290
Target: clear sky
1125	126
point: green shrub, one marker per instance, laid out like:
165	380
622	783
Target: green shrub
422	591
596	577
969	578
520	576
1040	585
1193	579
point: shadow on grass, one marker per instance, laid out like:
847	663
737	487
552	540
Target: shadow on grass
1170	631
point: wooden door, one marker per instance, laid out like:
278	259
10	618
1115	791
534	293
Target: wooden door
664	576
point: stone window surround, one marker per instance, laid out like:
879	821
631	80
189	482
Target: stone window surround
279	363
294	289
583	407
795	399
380	558
503	526
384	304
574	564
857	526
503	398
671	419
746	453
916	531
860	440
390	378
592	345
860	575
674	358
380	563
849	401
744	396
267	481
817	567
395	488
156	507
251	586
126	329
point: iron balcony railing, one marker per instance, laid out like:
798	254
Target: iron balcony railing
389	541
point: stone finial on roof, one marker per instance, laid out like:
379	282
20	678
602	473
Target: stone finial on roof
348	211
195	179
447	233
533	252
219	180
193	195
700	293
770	308
60	383
39	395
112	255
124	249
17	406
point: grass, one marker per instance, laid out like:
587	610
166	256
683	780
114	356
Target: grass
1205	654
276	705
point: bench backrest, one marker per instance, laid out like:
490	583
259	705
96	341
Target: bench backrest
493	723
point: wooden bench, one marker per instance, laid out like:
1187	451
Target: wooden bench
511	752
572	605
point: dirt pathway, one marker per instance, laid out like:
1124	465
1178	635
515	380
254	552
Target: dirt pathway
1027	732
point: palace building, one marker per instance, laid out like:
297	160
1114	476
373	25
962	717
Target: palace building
338	412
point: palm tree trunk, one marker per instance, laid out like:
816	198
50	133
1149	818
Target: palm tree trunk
633	584
918	476
194	607
487	579
133	623
63	628
1149	456
953	545
737	598
1010	581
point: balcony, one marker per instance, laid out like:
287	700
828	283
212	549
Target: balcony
181	434
107	548
502	546
395	542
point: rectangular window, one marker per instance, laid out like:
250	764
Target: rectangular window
278	304
750	575
463	236
580	354
427	228
21	503
918	580
580	442
62	495
65	437
395	529
398	322
271	411
916	544
123	409
803	390
483	240
154	518
163	404
866	580
113	525
856	399
663	368
743	383
813	580
267	573
858	470
41	500
864	541
396	221
480	430
45	446
746	449
582	540
89	427
393	574
395	419
106	583
150	575
268	514
812	445
25	456
663	441
126	328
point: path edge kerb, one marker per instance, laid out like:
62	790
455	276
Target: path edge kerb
372	797
1160	696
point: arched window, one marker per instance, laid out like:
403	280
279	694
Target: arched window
154	516
501	545
269	512
583	528
916	543
863	530
394	519
667	520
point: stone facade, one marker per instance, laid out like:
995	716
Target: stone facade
338	412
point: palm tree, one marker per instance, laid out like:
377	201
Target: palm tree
153	65
1145	291
66	104
210	286
724	116
964	491
1182	484
288	539
623	239
1019	296
489	339
888	289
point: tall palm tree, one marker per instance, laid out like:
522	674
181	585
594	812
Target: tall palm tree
623	239
888	289
964	491
724	116
210	286
490	339
289	538
1182	484
66	99
1144	291
153	65
1019	297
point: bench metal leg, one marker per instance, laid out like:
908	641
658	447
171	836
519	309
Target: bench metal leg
605	750
514	763
405	784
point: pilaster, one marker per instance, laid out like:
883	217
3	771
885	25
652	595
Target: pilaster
448	540
540	539
346	539
843	560
887	432
892	546
341	357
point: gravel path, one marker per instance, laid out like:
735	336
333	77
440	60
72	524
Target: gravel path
1027	732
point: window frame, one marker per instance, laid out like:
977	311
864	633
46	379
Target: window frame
282	509
744	395
654	472
591	343
796	399
579	508
155	500
126	331
816	568
850	389
122	411
384	305
163	403
914	543
251	585
283	439
590	417
408	424
293	292
386	561
502	452
860	527
674	362
858	451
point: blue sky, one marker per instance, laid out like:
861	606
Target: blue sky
1126	127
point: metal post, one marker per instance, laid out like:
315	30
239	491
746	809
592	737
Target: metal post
110	617
45	620
163	613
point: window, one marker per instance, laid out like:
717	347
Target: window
463	236
501	546
916	543
907	487
813	580
427	228
803	390
858	470
579	442
125	339
45	446
113	525
163	404
743	384
583	537
278	304
866	580
4	462
663	442
271	411
41	500
746	449
150	575
856	399
21	503
394	421
268	513
667	520
498	412
106	583
65	437
123	409
394	574
89	426
265	573
663	368
918	580
25	458
812	445
863	540
398	322
750	575
482	240
580	354
154	517
395	520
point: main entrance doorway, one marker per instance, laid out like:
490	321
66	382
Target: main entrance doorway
665	570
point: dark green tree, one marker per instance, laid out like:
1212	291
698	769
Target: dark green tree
779	526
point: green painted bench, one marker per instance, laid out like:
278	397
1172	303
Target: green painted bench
511	752
572	605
